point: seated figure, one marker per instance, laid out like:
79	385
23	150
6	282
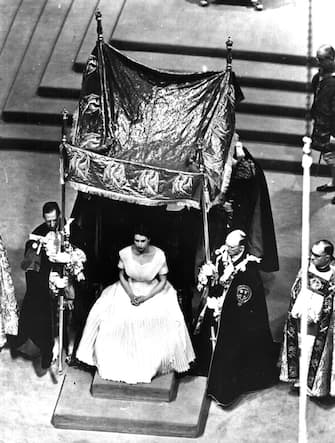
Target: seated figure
136	329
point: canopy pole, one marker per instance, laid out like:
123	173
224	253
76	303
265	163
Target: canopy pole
205	206
101	71
229	48
305	233
204	199
65	115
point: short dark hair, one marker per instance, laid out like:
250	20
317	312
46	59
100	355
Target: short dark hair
49	207
331	52
141	229
328	246
328	50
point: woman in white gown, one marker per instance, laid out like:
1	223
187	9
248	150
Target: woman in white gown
136	329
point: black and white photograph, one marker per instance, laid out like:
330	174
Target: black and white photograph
167	221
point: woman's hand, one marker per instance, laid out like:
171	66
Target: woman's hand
139	299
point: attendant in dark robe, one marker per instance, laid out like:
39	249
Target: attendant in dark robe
38	318
323	112
251	208
232	339
246	205
319	300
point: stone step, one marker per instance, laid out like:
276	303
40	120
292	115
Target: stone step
39	110
8	10
59	75
59	66
256	86
61	80
185	59
281	99
205	30
273	157
162	388
16	34
287	131
76	408
34	137
22	95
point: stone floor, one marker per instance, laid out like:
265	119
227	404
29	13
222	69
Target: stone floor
27	180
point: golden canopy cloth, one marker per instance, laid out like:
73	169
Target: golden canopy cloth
150	124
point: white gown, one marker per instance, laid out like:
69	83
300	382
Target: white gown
134	343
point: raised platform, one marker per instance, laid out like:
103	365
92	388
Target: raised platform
76	408
162	388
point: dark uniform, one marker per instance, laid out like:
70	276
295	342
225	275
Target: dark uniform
245	355
323	112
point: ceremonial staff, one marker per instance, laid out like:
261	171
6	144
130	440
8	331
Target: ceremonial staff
305	232
62	224
205	203
107	111
204	199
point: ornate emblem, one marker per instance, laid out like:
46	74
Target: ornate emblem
90	104
79	164
115	175
315	284
182	185
149	182
243	294
91	65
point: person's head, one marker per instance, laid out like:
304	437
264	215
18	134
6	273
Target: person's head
51	213
239	151
141	238
325	57
322	253
236	242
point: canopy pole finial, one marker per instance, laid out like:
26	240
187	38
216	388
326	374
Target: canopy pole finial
229	47
65	115
98	17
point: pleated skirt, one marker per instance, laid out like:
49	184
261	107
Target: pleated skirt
132	344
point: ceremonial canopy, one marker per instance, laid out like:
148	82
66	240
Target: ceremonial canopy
149	137
158	139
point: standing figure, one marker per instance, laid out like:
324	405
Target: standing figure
249	197
323	112
8	304
43	261
319	302
232	338
136	329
